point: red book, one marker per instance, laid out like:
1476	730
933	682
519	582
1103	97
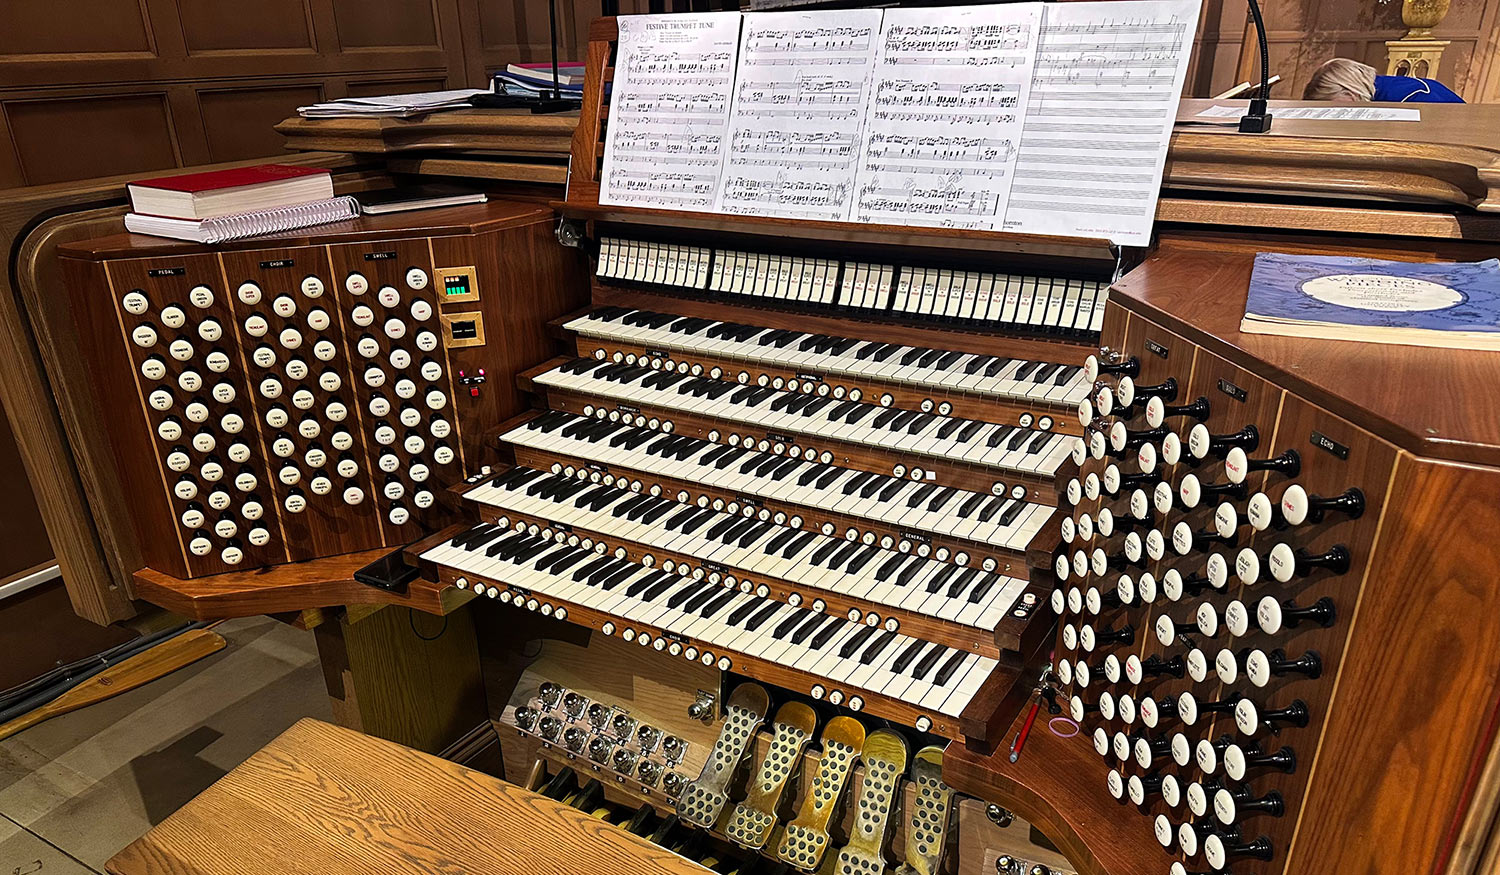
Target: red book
226	192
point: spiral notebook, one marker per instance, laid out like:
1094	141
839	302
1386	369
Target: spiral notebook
241	225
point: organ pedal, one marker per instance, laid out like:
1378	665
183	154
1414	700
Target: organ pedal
884	755
755	817
927	819
702	801
806	839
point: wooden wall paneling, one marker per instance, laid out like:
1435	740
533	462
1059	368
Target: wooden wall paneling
64	138
274	26
434	80
11	173
238	123
26	544
91	27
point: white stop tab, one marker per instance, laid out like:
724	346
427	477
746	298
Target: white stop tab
1294	504
1236	466
1258	668
1247	566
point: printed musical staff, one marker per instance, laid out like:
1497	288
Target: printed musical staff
1046	119
947	109
799	106
1102	104
674	83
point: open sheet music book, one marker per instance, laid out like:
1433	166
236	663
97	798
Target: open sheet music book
1024	117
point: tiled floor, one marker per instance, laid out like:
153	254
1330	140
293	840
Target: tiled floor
76	789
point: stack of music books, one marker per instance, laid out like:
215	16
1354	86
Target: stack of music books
231	204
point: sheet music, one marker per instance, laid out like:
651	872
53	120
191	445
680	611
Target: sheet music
799	105
1102	105
946	110
674	76
1321	113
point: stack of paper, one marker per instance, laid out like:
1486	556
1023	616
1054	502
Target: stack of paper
398	105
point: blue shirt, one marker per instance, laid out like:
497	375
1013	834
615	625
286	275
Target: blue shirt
1410	89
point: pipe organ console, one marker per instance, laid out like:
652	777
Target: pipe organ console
767	534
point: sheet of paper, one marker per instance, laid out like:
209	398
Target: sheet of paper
799	106
1102	105
946	108
674	76
1340	112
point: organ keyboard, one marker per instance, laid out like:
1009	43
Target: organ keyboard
851	515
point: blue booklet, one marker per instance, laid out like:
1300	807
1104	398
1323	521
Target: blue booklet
1368	299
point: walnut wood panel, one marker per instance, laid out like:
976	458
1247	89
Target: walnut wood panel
497	214
27	547
525	280
238	122
90	126
204	81
1016	563
1412	723
338	801
1007	635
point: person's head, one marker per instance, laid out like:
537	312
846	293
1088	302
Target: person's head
1342	80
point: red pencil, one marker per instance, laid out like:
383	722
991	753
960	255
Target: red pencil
1015	747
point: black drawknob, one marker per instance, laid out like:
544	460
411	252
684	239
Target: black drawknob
1321	612
1244	801
1123	442
1260	849
1154	665
1123	635
1241	760
1158	410
1238	466
1201	444
1093	368
1165	390
1310	664
1299	507
1295	714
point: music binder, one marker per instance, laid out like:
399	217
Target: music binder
241	225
